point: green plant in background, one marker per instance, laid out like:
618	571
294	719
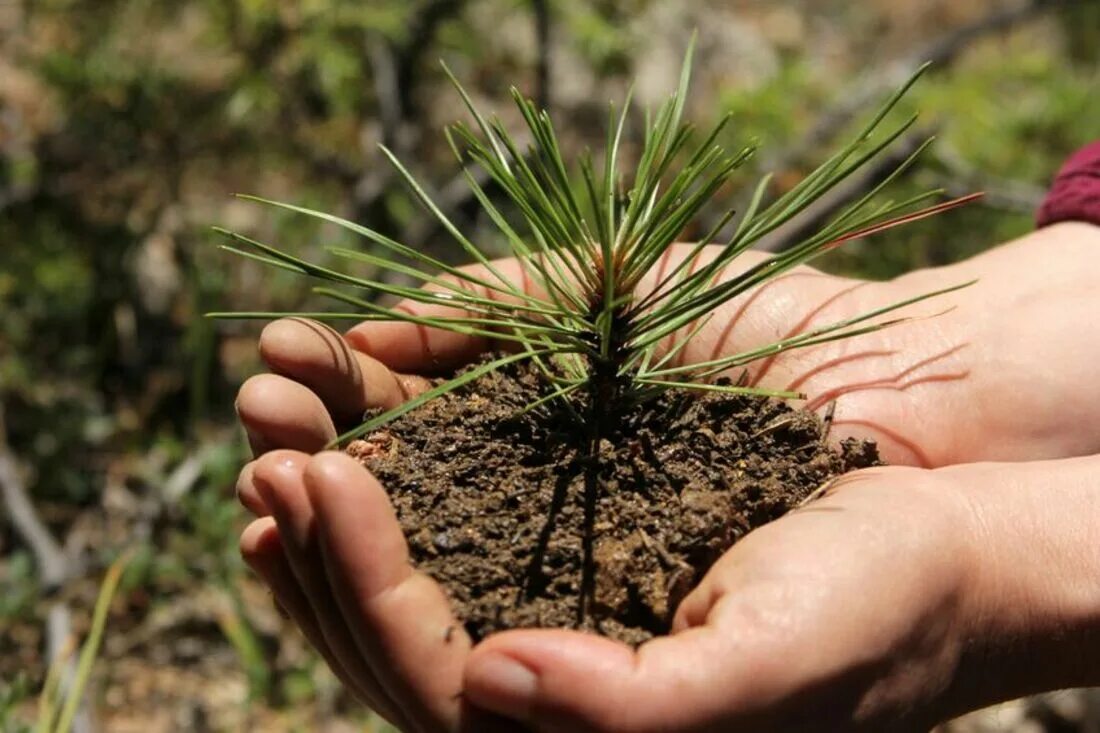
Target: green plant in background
223	95
12	694
60	699
587	244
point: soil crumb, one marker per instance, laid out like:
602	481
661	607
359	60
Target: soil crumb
495	502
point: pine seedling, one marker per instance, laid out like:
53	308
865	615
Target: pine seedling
586	237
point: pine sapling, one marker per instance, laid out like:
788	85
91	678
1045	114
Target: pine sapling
588	235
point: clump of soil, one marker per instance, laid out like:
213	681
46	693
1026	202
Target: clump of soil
495	504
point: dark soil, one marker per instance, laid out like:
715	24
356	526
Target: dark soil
495	504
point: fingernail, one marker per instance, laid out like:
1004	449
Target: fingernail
256	443
292	513
266	492
505	686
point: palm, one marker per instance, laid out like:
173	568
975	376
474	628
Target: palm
951	388
759	630
932	392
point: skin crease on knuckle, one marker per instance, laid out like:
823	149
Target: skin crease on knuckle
246	491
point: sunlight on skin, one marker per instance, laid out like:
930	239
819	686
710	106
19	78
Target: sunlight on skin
921	380
1005	375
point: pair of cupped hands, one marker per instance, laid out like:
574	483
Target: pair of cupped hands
965	572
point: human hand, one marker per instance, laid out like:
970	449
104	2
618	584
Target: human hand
952	405
901	598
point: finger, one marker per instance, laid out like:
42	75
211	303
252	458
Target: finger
409	347
401	619
568	681
262	549
279	413
347	381
278	479
247	494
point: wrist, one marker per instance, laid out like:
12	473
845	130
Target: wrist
1074	234
1075	193
1032	610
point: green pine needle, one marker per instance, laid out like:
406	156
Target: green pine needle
586	242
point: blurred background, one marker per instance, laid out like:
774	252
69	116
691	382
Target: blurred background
126	125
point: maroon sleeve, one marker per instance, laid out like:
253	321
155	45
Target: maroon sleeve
1075	195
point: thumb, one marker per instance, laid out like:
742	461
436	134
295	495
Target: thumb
405	346
569	681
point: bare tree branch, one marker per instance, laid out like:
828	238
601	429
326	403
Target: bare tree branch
452	197
817	213
872	85
1000	193
55	568
542	18
419	38
395	73
387	89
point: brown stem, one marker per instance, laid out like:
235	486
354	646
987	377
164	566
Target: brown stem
591	497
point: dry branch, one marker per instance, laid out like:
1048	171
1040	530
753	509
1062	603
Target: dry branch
1019	197
810	220
541	9
869	87
55	567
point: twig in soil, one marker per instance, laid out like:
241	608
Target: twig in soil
591	495
680	569
820	491
777	424
669	560
827	421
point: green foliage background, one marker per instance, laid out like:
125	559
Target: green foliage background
126	124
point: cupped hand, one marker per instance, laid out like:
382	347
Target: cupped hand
783	634
1004	375
903	598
